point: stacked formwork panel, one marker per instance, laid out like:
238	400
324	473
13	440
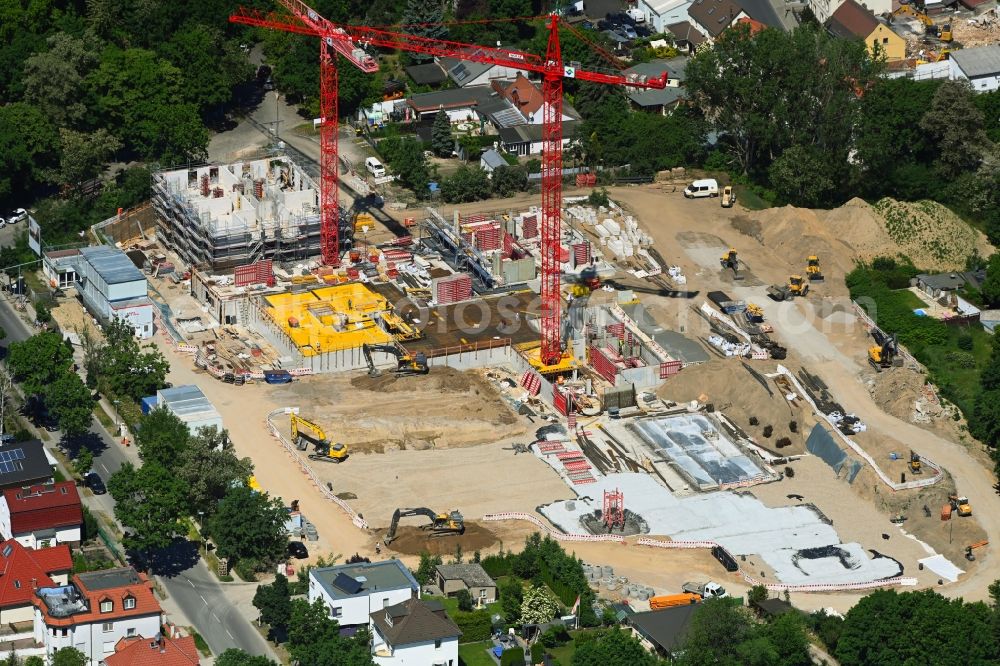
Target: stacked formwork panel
452	289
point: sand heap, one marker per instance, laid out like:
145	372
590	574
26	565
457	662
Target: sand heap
900	392
926	232
412	540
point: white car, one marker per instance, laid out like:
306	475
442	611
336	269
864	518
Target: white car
18	215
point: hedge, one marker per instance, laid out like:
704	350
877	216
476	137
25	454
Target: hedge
475	626
512	657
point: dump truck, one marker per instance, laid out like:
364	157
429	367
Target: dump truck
709	590
670	600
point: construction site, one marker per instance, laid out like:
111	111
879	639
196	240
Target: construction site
690	406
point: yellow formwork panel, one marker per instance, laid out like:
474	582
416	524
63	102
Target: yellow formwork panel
329	318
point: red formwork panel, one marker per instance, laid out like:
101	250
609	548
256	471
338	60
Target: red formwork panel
603	365
670	368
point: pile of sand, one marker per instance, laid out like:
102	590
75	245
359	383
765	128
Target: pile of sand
412	540
732	390
896	391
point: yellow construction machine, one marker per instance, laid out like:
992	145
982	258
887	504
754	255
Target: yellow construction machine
728	196
969	555
305	432
961	505
885	352
755	314
730	260
942	32
797	286
916	466
813	271
406	364
440	524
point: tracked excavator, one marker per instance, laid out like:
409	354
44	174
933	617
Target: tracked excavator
885	352
441	524
305	432
730	260
406	364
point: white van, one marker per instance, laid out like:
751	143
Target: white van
702	188
374	167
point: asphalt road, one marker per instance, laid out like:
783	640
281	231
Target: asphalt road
190	584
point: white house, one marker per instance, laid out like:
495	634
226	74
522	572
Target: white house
95	611
352	592
42	516
466	74
491	160
113	288
23	569
979	65
414	633
662	13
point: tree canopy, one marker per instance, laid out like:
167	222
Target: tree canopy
150	502
249	525
314	638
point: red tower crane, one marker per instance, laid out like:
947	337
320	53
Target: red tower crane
345	40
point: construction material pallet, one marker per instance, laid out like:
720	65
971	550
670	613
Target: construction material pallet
578	474
588	479
577	465
569	455
551	448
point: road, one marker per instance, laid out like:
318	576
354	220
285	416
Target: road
192	587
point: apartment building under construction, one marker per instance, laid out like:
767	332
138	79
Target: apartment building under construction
220	216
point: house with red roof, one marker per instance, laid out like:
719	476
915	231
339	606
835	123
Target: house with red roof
22	571
156	651
95	611
42	515
526	98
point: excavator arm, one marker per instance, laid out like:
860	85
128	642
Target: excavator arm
406	513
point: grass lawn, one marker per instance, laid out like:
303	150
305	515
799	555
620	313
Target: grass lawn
909	299
474	654
451	605
954	371
748	198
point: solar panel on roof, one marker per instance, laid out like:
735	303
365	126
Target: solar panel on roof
18	454
7	466
347	584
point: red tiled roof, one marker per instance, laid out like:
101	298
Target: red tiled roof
852	20
523	94
134	584
43	507
22	570
147	652
755	26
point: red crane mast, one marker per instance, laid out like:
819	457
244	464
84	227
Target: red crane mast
350	41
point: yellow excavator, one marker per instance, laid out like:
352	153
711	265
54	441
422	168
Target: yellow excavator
305	432
406	364
916	466
942	32
730	260
885	352
813	271
441	524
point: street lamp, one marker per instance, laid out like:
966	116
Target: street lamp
277	96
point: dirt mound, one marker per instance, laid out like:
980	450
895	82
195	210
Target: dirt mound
412	540
438	379
896	391
735	392
930	234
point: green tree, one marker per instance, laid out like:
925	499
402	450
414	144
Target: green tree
406	158
69	401
887	627
314	638
84	154
465	602
275	604
54	78
614	648
210	65
507	180
69	657
149	502
718	634
209	468
990	289
236	657
427	570
249	525
959	135
441	141
787	635
511	596
469	183
538	606
513	656
84	461
38	361
162	438
757	594
802	176
29	148
126	368
424	19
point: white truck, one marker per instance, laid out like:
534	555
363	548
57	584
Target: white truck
709	590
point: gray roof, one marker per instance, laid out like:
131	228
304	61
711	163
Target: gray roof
533	133
185	400
774	607
686	32
979	61
463	71
112	264
989	315
943	281
23	463
453	98
665	628
378	576
110	578
471	574
414	621
427	74
763	11
652	69
493	160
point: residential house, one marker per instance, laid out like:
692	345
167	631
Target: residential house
156	651
663	631
937	285
428	74
472	577
853	21
23	571
461	104
352	592
711	17
979	65
491	160
663	100
772	608
414	633
526	98
686	37
95	611
824	9
467	74
660	14
25	464
42	516
527	139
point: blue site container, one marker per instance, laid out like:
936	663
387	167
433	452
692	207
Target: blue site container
148	404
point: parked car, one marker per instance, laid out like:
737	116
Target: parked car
19	215
628	31
298	550
94	481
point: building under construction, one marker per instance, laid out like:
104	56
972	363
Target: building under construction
218	217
